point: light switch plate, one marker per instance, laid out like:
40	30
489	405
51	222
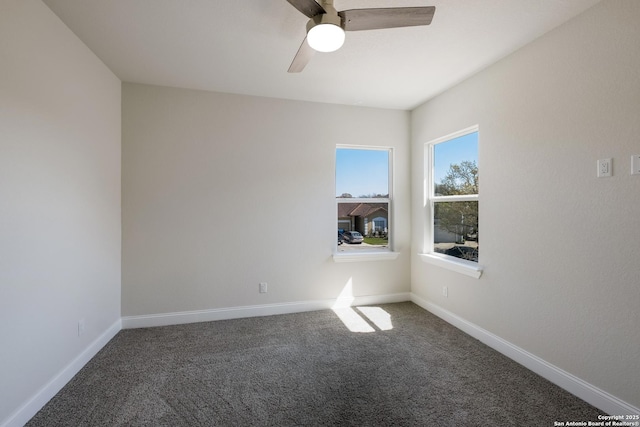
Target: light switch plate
635	164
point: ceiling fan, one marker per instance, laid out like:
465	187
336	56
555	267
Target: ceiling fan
326	26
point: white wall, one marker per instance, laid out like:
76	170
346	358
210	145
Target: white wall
59	202
560	246
224	191
221	192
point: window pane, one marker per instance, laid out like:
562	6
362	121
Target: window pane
363	226
362	173
455	229
455	166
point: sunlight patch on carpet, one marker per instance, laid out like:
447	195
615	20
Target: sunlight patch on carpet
378	316
370	319
352	320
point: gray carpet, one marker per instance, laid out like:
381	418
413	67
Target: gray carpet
307	369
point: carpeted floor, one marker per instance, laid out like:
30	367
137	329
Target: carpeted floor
308	369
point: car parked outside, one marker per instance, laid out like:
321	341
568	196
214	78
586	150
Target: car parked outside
352	237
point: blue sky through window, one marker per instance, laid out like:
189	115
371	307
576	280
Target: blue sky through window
454	151
362	172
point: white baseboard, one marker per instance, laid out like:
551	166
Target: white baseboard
574	385
23	414
165	319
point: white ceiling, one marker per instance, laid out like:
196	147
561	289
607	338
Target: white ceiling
246	46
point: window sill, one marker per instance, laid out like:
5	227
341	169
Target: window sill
468	268
365	256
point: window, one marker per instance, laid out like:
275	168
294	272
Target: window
363	199
451	165
380	225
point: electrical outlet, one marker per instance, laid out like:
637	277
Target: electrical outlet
263	287
80	327
445	291
605	168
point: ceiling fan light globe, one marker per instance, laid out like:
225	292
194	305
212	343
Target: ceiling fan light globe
325	37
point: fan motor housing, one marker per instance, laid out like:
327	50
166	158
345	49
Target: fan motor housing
324	18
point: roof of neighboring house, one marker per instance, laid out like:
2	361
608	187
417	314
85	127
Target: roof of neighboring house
360	209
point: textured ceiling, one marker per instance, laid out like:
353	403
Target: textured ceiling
246	46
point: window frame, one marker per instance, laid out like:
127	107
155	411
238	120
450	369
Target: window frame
469	268
377	254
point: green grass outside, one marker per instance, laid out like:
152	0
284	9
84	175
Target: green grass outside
376	241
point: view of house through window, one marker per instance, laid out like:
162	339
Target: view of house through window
453	194
363	198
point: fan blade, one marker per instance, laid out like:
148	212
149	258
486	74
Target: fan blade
310	8
302	58
374	19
